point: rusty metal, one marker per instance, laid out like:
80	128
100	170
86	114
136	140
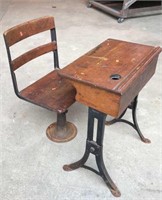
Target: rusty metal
107	79
95	147
133	107
50	91
127	8
62	130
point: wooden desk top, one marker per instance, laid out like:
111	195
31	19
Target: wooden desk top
114	67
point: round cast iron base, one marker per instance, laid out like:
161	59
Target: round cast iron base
65	134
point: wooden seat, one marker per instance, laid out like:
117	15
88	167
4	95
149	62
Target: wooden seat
50	91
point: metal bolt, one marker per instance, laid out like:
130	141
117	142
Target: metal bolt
92	149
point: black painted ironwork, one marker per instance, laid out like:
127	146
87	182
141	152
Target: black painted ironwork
133	107
95	147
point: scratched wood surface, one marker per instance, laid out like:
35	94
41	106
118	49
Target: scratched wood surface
50	91
108	77
27	29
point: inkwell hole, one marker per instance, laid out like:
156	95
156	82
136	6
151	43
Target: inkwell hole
115	76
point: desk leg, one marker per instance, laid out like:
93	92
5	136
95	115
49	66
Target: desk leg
133	107
95	148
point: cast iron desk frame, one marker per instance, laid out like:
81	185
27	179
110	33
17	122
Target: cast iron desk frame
95	145
112	7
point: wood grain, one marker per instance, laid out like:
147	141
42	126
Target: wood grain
92	73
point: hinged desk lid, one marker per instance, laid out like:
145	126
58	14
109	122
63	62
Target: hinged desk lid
111	64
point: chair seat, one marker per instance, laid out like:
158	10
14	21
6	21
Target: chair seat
51	92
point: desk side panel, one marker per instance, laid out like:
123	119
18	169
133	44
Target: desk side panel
99	99
136	86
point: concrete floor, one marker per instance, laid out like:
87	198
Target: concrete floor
31	165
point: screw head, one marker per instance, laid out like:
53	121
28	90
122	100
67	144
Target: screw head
92	149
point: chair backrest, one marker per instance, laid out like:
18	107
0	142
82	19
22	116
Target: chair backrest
23	31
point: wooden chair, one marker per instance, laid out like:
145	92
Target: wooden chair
50	91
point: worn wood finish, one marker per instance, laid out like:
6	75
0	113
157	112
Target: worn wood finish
92	74
97	98
27	29
34	53
51	92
